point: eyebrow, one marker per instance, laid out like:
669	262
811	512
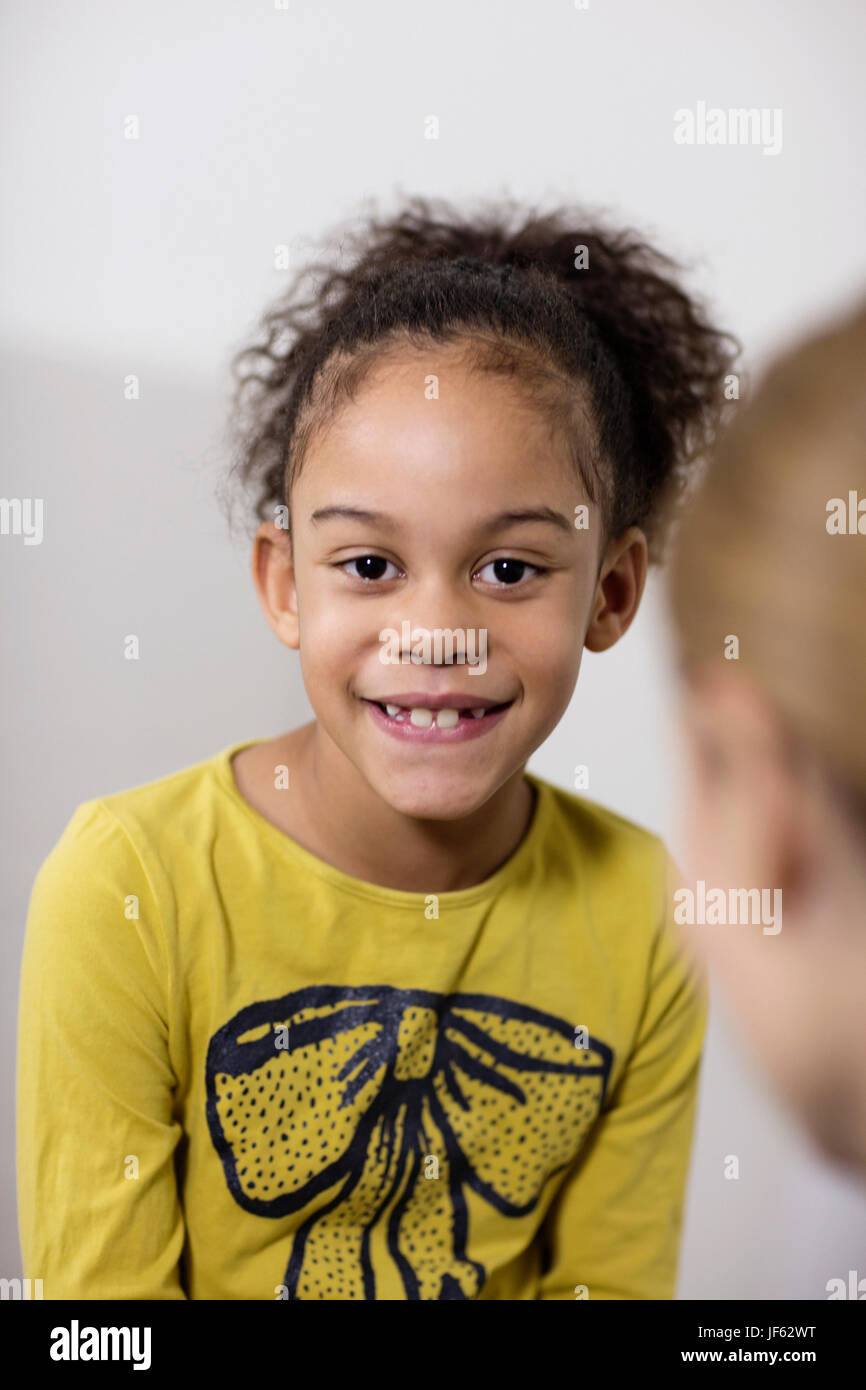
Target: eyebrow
528	516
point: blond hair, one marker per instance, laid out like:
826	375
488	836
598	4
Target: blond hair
760	554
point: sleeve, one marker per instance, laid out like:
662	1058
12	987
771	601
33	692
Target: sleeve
99	1211
614	1227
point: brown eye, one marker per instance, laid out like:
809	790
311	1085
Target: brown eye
508	572
368	567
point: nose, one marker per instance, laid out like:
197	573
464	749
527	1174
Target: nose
441	605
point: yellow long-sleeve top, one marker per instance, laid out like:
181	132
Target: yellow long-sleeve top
244	1074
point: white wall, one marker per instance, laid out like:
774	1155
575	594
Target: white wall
259	127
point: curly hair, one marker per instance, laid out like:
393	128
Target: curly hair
591	321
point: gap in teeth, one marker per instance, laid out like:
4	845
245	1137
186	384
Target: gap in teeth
422	718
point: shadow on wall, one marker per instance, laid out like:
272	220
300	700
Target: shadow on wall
134	544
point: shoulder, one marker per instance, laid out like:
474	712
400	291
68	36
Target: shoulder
177	793
108	838
601	837
625	877
619	872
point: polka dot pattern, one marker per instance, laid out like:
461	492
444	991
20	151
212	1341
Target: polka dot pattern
515	1138
285	1121
387	1112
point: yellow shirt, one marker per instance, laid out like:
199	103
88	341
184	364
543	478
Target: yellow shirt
244	1074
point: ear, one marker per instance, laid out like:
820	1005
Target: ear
274	577
618	590
748	809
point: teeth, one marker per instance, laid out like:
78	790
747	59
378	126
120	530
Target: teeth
423	718
447	718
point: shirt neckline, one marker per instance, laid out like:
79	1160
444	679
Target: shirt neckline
376	892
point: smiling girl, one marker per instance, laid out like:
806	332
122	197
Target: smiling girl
367	1011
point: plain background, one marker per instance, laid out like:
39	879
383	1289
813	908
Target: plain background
262	127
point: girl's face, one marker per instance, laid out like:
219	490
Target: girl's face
460	512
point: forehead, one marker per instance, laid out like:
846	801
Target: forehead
433	408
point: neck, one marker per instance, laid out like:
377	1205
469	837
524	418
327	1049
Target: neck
349	825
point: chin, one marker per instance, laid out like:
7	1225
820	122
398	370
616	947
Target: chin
432	801
834	1122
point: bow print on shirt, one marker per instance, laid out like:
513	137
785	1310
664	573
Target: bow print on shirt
380	1090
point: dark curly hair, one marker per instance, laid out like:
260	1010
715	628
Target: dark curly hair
617	354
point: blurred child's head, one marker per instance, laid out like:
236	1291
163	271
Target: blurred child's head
770	554
452	376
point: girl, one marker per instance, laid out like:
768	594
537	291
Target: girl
366	1011
772	553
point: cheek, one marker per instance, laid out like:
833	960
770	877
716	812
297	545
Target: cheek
709	850
546	647
327	652
699	832
332	630
699	815
773	1000
743	959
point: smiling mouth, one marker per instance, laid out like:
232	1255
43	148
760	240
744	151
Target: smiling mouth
421	717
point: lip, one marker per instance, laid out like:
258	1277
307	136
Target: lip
463	731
